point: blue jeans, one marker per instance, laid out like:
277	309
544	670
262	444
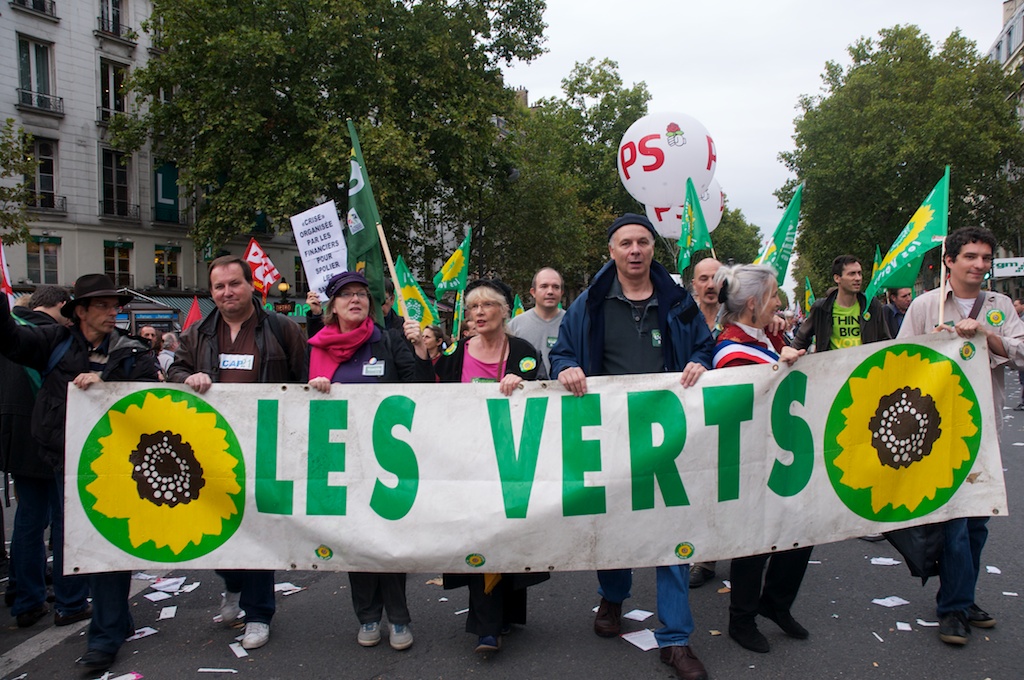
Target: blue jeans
111	617
257	589
673	600
960	563
41	503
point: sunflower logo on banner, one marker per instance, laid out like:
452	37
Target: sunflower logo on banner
902	434
162	476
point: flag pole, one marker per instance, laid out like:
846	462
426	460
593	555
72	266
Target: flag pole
391	269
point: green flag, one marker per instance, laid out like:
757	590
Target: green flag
777	251
808	295
695	234
361	228
877	263
927	229
453	274
517	307
456	325
417	306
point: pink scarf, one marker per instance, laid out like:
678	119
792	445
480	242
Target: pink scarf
332	348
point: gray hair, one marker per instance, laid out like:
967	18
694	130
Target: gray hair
740	284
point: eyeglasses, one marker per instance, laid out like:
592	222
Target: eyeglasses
105	306
486	306
349	294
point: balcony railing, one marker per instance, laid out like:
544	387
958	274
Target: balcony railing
40	101
103	114
113	27
49	203
168	281
128	211
47	7
170	216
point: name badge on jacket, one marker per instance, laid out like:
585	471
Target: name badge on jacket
238	362
373	369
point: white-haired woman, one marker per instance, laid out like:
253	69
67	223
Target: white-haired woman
496	601
749	296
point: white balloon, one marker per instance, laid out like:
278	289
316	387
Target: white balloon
669	221
659	152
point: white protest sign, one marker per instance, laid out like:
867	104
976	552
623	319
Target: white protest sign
321	244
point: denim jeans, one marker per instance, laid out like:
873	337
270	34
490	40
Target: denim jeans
111	616
673	600
960	563
41	503
257	589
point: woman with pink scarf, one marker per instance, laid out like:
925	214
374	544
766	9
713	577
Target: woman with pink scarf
351	349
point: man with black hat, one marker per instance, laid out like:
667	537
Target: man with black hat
634	319
241	343
91	351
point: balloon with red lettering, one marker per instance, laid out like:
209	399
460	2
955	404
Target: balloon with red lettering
657	154
668	221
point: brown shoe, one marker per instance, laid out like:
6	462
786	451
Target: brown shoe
66	620
687	665
608	622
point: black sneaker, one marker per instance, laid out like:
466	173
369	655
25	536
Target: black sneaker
699	575
953	628
979	618
32	616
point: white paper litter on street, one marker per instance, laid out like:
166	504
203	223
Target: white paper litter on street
157	596
884	561
879	637
287	585
638	615
141	633
891	601
168	585
901	625
238	650
813	561
462	611
168	613
993	570
190	587
216	670
143	576
1009	594
927	624
643	639
442	599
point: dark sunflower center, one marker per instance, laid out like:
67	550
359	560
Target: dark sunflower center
904	427
165	469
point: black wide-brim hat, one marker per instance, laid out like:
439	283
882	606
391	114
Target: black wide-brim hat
93	286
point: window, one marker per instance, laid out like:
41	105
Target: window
117	262
301	284
112	99
43	183
110	16
34	73
115	185
166	262
42	258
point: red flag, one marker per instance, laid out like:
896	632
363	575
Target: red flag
264	273
5	277
194	315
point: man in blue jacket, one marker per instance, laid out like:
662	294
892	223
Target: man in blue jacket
634	319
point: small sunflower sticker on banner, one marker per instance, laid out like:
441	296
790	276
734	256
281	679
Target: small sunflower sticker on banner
475	560
902	434
967	351
324	553
162	477
684	551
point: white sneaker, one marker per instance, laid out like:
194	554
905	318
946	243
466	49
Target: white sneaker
256	635
400	637
369	634
229	608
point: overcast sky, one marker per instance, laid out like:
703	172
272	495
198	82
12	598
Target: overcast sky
738	67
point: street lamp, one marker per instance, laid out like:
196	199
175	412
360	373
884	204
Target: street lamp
284	305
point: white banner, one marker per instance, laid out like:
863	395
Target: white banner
1006	267
321	243
452	477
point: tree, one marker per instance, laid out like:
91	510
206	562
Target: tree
871	147
249	100
17	167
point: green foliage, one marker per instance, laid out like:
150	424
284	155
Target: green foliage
17	167
261	92
875	143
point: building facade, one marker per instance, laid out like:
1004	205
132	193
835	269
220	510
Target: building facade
98	208
1008	49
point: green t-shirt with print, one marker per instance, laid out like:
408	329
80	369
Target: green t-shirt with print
845	327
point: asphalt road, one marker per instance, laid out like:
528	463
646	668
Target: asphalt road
314	631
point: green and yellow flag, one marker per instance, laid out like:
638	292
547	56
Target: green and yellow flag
361	228
517	307
417	306
808	296
456	324
927	229
695	234
454	272
876	264
779	248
